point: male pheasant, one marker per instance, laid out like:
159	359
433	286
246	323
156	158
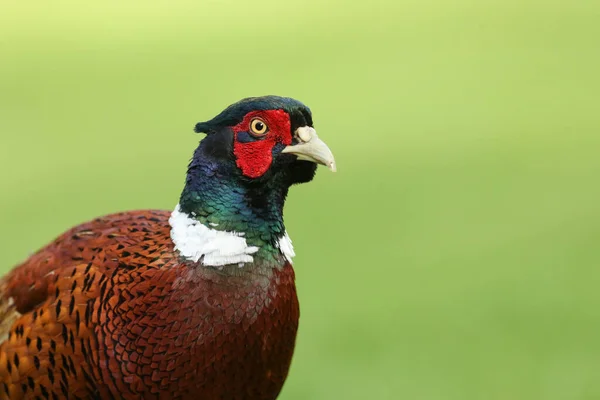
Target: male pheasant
198	303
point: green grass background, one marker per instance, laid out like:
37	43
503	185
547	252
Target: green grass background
455	255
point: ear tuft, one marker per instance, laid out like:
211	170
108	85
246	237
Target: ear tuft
203	127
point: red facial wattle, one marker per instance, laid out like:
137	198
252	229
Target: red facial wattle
255	157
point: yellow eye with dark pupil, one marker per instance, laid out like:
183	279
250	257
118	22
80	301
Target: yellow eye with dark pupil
258	127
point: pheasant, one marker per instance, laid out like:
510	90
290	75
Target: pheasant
198	303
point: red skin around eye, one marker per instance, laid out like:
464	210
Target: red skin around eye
255	158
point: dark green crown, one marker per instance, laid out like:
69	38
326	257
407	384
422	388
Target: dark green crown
233	114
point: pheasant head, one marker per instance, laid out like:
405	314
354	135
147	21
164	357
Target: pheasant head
231	209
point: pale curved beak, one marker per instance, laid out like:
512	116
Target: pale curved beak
311	148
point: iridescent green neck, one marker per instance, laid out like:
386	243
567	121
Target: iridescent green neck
225	202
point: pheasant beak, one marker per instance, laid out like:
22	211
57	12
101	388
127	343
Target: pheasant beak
311	148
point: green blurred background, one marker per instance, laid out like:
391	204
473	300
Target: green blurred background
455	253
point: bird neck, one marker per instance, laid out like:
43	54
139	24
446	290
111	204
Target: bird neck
224	220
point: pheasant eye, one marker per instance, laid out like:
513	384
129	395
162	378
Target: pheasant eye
258	127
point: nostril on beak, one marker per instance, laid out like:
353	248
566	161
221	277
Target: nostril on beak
305	134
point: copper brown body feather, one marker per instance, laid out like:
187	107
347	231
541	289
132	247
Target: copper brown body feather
109	310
